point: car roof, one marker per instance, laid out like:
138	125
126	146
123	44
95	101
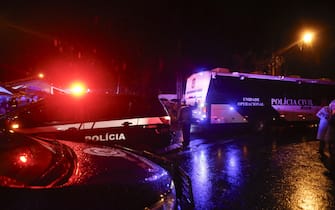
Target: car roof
92	107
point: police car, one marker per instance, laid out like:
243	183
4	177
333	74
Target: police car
128	120
39	173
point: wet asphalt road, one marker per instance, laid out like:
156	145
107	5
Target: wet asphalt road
279	170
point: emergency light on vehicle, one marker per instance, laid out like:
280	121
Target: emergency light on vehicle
78	89
41	75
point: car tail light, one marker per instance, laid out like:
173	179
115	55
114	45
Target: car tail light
166	120
23	158
15	126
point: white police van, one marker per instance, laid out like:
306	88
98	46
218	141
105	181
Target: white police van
221	97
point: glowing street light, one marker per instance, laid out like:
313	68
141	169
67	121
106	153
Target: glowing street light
307	37
277	59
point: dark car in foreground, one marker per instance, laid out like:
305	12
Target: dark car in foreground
38	173
128	120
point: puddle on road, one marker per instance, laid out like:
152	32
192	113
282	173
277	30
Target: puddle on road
236	175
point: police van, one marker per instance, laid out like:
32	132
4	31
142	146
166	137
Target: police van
221	97
129	120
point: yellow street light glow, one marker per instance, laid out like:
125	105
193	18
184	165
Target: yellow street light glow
307	37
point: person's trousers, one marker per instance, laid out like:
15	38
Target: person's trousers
186	128
322	145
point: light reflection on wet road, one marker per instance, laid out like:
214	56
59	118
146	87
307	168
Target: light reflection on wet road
258	172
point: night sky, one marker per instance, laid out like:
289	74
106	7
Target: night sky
147	43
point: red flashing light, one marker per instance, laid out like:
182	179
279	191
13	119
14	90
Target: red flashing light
78	89
41	75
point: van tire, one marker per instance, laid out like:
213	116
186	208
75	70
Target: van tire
259	126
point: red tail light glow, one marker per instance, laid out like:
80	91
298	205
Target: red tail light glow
15	126
166	120
23	158
41	75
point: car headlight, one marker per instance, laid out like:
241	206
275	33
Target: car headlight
168	200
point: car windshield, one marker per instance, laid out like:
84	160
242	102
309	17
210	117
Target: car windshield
91	107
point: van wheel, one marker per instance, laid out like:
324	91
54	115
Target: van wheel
259	126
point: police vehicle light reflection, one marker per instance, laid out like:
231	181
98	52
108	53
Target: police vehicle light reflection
233	166
200	176
23	158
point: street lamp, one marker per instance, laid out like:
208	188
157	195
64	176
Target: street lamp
307	37
277	59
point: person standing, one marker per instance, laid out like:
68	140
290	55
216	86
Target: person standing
330	131
323	114
185	120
